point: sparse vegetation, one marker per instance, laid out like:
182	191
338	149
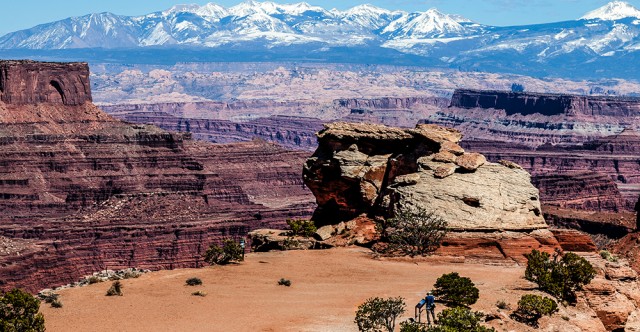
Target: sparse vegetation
19	312
561	276
194	282
300	227
455	290
115	289
412	233
459	319
284	282
49	297
290	242
503	305
230	251
199	293
56	304
532	307
412	326
605	254
377	314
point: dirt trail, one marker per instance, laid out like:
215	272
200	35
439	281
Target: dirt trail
327	286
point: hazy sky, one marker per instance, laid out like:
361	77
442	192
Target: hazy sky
22	14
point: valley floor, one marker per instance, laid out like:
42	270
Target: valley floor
327	287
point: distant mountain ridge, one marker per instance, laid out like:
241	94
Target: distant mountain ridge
605	37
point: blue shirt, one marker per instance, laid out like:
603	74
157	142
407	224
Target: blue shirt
431	301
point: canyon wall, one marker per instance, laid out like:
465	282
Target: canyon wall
81	191
545	104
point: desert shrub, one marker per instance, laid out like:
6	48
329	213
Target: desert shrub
412	233
503	305
412	326
532	307
199	293
284	282
230	251
194	282
455	290
115	289
301	227
376	313
605	254
460	319
56	304
561	276
290	242
19	312
49	297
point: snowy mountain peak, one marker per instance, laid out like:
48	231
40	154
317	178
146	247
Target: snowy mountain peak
614	10
431	23
181	8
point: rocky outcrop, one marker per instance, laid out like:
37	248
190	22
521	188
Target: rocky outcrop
363	168
29	82
545	104
375	170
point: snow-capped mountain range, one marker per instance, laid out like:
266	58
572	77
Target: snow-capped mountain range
604	36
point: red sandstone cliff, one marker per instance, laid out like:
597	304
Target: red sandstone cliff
81	191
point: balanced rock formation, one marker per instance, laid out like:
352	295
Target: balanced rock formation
374	170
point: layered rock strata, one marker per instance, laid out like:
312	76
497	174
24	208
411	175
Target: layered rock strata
28	82
546	104
81	191
374	170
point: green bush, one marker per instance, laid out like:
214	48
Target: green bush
412	233
194	282
115	289
19	312
455	290
301	227
231	251
532	307
605	254
284	282
376	314
56	304
503	305
460	320
561	276
412	326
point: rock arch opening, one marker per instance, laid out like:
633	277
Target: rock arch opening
60	97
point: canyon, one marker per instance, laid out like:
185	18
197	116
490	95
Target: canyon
581	150
82	191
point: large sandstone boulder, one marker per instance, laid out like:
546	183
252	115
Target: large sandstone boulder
375	170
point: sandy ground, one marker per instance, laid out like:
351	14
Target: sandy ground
327	287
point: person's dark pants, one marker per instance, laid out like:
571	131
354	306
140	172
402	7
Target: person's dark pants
433	315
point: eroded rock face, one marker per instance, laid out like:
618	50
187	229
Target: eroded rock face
375	170
30	82
81	192
545	104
